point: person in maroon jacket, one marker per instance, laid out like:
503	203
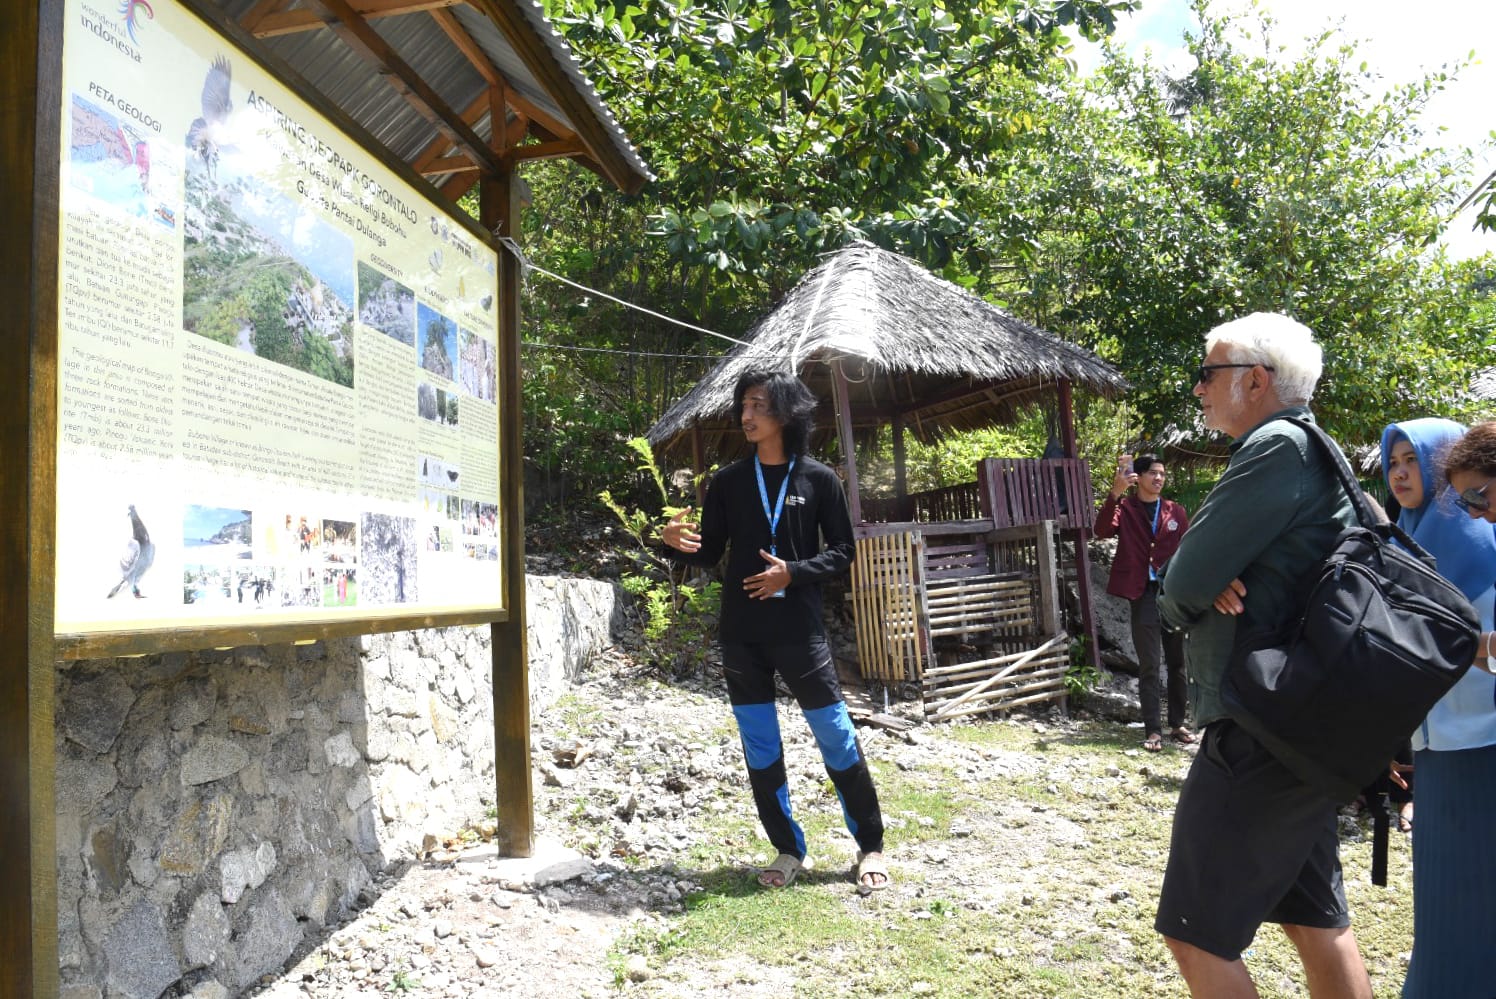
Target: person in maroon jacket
1148	529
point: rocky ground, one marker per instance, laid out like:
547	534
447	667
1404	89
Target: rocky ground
631	775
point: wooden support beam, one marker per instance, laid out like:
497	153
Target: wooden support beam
356	32
547	125
449	164
261	10
31	119
440	146
605	157
848	444
498	213
561	149
266	19
1067	417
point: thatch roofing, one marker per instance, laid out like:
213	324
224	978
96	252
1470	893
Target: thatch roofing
910	344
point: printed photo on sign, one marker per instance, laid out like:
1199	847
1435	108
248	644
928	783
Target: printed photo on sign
339	587
438	342
389	551
478	370
386	305
340	541
113	160
436	405
261	272
436	472
214	535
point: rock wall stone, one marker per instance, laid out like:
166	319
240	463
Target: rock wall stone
215	810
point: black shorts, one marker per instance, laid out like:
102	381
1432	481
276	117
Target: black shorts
1252	844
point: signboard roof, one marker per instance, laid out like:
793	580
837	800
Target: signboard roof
459	51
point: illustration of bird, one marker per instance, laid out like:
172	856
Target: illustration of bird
139	553
435	260
207	135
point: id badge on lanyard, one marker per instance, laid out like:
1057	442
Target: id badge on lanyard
773	514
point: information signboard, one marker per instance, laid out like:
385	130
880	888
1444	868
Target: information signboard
277	358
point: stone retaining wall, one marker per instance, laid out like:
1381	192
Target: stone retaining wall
216	808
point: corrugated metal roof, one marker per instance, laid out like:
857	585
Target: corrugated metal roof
329	66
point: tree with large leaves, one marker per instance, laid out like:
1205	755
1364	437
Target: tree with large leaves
778	130
1160	207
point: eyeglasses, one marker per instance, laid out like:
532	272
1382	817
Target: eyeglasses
1474	499
1205	372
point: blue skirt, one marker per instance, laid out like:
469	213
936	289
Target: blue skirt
1454	875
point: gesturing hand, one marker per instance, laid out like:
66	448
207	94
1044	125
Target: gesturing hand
769	582
681	534
1125	478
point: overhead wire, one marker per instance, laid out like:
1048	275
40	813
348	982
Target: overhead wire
526	265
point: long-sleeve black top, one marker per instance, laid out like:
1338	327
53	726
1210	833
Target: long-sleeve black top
733	519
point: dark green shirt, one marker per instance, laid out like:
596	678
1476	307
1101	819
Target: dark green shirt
1271	518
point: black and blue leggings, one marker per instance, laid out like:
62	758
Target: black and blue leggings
811	676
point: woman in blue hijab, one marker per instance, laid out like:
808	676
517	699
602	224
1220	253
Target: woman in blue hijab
1454	758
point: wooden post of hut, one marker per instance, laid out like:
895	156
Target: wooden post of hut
1081	534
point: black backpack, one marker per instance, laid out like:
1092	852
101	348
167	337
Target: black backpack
1383	636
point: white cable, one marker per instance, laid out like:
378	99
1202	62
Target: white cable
526	264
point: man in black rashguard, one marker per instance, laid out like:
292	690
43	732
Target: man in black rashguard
770	513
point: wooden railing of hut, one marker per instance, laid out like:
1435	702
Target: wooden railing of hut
968	607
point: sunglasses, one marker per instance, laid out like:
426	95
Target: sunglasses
1474	499
1205	372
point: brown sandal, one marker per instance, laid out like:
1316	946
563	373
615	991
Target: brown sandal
1183	736
1154	743
781	873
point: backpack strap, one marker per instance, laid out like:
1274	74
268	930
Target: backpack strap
1384	529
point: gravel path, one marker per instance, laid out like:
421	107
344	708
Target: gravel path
630	774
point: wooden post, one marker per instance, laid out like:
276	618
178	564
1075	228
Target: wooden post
31	116
844	433
1080	535
1067	418
698	464
511	668
900	479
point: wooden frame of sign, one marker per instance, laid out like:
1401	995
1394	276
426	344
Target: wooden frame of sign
31	114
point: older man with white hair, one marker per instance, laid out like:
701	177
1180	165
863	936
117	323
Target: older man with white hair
1251	842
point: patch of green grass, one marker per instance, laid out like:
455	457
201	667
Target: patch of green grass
572	717
1069	845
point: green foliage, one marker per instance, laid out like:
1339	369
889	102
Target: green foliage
783	129
403	981
679	618
1161	207
778	130
1081	676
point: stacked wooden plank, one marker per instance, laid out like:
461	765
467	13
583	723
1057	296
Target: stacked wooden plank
885	600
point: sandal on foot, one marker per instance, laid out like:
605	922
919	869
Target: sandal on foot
1154	743
781	873
872	873
1183	736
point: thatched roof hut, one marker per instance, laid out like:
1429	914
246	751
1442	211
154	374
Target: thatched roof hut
910	348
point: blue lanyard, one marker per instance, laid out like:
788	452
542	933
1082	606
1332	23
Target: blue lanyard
763	494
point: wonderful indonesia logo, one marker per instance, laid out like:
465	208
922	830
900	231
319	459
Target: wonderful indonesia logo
130	11
121	29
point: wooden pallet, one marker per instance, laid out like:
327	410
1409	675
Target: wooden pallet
885	599
999	682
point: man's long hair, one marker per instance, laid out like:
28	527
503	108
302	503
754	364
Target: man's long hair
790	402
